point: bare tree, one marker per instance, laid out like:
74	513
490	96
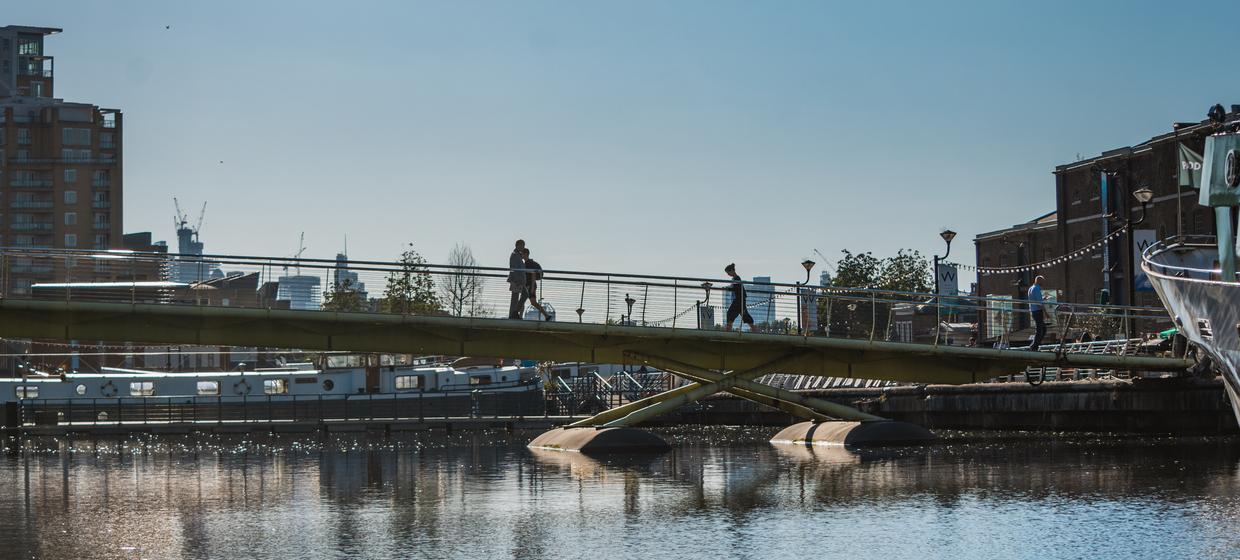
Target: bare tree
461	290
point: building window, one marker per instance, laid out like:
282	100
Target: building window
275	386
23	137
71	218
27	47
74	155
406	382
106	140
70	240
70	197
101	242
70	175
1002	261
208	388
75	136
141	388
1077	242
100	179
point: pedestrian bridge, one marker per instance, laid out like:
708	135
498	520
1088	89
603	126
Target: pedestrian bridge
412	307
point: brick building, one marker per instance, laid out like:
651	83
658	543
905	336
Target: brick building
60	162
1078	221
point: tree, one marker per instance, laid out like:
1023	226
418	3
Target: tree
461	290
908	271
344	297
857	270
411	289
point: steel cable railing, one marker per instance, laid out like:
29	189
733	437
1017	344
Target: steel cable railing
650	301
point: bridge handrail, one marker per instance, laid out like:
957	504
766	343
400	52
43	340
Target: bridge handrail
623	279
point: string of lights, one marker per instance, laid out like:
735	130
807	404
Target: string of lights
1079	253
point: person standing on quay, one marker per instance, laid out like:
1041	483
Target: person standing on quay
1038	311
516	280
737	308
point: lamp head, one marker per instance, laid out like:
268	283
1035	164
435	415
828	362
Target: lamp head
1143	195
808	264
947	235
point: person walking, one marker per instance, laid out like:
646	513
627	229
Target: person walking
516	280
532	276
1038	310
737	308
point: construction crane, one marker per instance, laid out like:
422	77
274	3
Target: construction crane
824	259
201	214
301	248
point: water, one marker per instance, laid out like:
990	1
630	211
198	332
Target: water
722	493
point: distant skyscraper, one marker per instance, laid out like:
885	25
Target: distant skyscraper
341	274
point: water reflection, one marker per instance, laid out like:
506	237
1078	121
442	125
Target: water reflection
486	496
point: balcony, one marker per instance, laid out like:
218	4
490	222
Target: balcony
31	204
95	184
29	245
102	226
107	145
31	226
38	72
31	268
31	184
55	161
101	204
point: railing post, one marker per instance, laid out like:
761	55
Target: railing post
873	315
676	304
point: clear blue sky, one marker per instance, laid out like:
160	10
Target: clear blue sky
655	137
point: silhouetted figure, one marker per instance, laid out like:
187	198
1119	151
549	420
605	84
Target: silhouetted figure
516	280
737	308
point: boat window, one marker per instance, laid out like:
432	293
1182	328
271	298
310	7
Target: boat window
141	388
80	390
404	382
208	387
346	361
27	391
479	380
275	386
328	384
305	380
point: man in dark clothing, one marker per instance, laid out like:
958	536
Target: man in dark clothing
531	282
516	280
737	308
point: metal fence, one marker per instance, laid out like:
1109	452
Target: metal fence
651	301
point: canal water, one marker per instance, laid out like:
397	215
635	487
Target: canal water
721	493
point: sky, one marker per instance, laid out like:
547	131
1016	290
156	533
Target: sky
644	137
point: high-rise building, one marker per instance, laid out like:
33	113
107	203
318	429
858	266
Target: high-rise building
60	162
345	279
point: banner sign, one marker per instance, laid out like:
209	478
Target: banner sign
948	280
1142	239
1190	167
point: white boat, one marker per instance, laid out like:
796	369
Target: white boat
1194	277
338	387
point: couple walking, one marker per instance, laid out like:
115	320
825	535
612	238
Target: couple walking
523	276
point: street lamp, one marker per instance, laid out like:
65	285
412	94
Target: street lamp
629	301
808	265
1143	195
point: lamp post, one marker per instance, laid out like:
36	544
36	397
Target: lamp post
629	301
947	235
803	299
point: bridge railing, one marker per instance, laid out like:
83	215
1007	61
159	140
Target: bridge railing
414	287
